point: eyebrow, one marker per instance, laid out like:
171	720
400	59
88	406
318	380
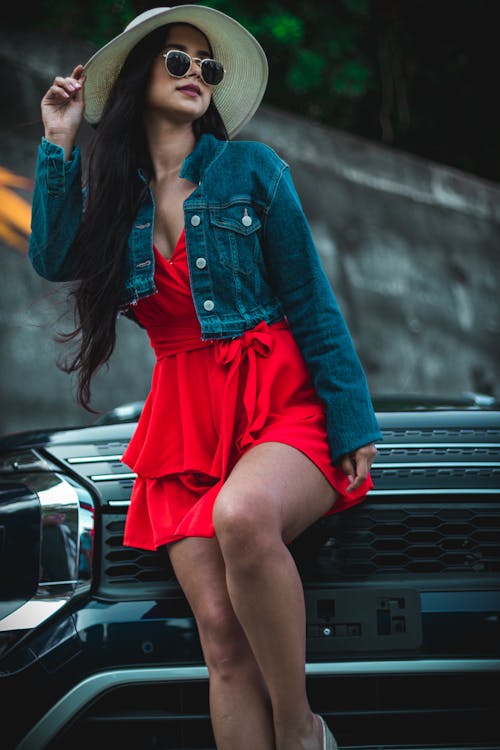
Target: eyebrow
183	48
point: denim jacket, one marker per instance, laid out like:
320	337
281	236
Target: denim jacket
251	258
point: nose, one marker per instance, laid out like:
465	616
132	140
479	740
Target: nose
195	66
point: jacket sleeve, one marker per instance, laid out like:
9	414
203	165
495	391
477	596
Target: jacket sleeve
317	323
56	212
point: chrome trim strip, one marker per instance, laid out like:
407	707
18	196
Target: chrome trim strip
457	491
59	504
94	459
111	477
404	666
372	493
97	478
380	447
90	688
383	446
435	464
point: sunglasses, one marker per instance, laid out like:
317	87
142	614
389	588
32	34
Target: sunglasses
178	63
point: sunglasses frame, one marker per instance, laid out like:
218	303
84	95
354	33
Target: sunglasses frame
199	61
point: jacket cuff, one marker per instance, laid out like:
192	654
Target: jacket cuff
57	171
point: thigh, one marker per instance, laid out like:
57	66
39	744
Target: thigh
279	487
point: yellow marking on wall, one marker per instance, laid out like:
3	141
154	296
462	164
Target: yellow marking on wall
15	211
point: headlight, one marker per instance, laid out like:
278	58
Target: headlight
46	542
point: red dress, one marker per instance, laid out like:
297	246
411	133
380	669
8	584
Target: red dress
209	402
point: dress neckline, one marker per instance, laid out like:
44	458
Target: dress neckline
175	250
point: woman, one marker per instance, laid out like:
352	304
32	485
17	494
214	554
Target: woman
259	419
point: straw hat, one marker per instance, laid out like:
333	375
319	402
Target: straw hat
236	97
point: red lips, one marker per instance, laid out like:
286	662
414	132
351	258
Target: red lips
190	87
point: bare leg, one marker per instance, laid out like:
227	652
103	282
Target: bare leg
239	704
272	494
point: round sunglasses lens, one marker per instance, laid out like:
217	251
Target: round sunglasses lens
212	72
178	63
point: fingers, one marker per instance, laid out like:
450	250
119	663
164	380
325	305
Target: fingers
65	87
77	72
68	87
348	467
357	465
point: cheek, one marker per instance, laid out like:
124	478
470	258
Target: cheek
159	77
207	98
159	87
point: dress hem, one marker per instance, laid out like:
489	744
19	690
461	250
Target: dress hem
342	502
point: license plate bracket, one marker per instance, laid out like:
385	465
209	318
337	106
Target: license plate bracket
363	619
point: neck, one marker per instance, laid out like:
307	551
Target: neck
169	145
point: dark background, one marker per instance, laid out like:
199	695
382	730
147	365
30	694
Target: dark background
418	75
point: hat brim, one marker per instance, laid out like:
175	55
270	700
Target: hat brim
236	98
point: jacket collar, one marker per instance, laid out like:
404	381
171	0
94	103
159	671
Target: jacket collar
208	148
194	166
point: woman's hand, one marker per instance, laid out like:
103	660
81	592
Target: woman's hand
357	465
62	110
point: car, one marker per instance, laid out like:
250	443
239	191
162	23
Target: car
98	646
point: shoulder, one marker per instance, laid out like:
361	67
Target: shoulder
247	167
260	154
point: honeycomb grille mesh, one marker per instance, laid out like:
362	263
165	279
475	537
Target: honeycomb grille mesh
125	567
386	539
371	540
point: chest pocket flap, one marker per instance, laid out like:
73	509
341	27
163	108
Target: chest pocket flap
240	218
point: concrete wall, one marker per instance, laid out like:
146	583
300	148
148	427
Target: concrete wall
412	251
410	247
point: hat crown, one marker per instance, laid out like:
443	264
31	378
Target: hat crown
144	17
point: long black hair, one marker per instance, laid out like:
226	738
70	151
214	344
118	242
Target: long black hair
114	192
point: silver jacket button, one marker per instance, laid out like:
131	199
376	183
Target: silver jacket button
208	305
195	220
201	262
246	219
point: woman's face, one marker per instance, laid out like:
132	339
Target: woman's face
185	99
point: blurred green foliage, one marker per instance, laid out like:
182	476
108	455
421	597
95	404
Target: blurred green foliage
318	66
415	74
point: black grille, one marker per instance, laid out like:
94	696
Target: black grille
408	711
127	570
373	540
163	716
414	538
383	712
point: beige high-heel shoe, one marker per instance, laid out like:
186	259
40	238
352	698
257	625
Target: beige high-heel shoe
329	742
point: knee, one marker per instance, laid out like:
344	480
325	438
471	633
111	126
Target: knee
224	643
246	530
